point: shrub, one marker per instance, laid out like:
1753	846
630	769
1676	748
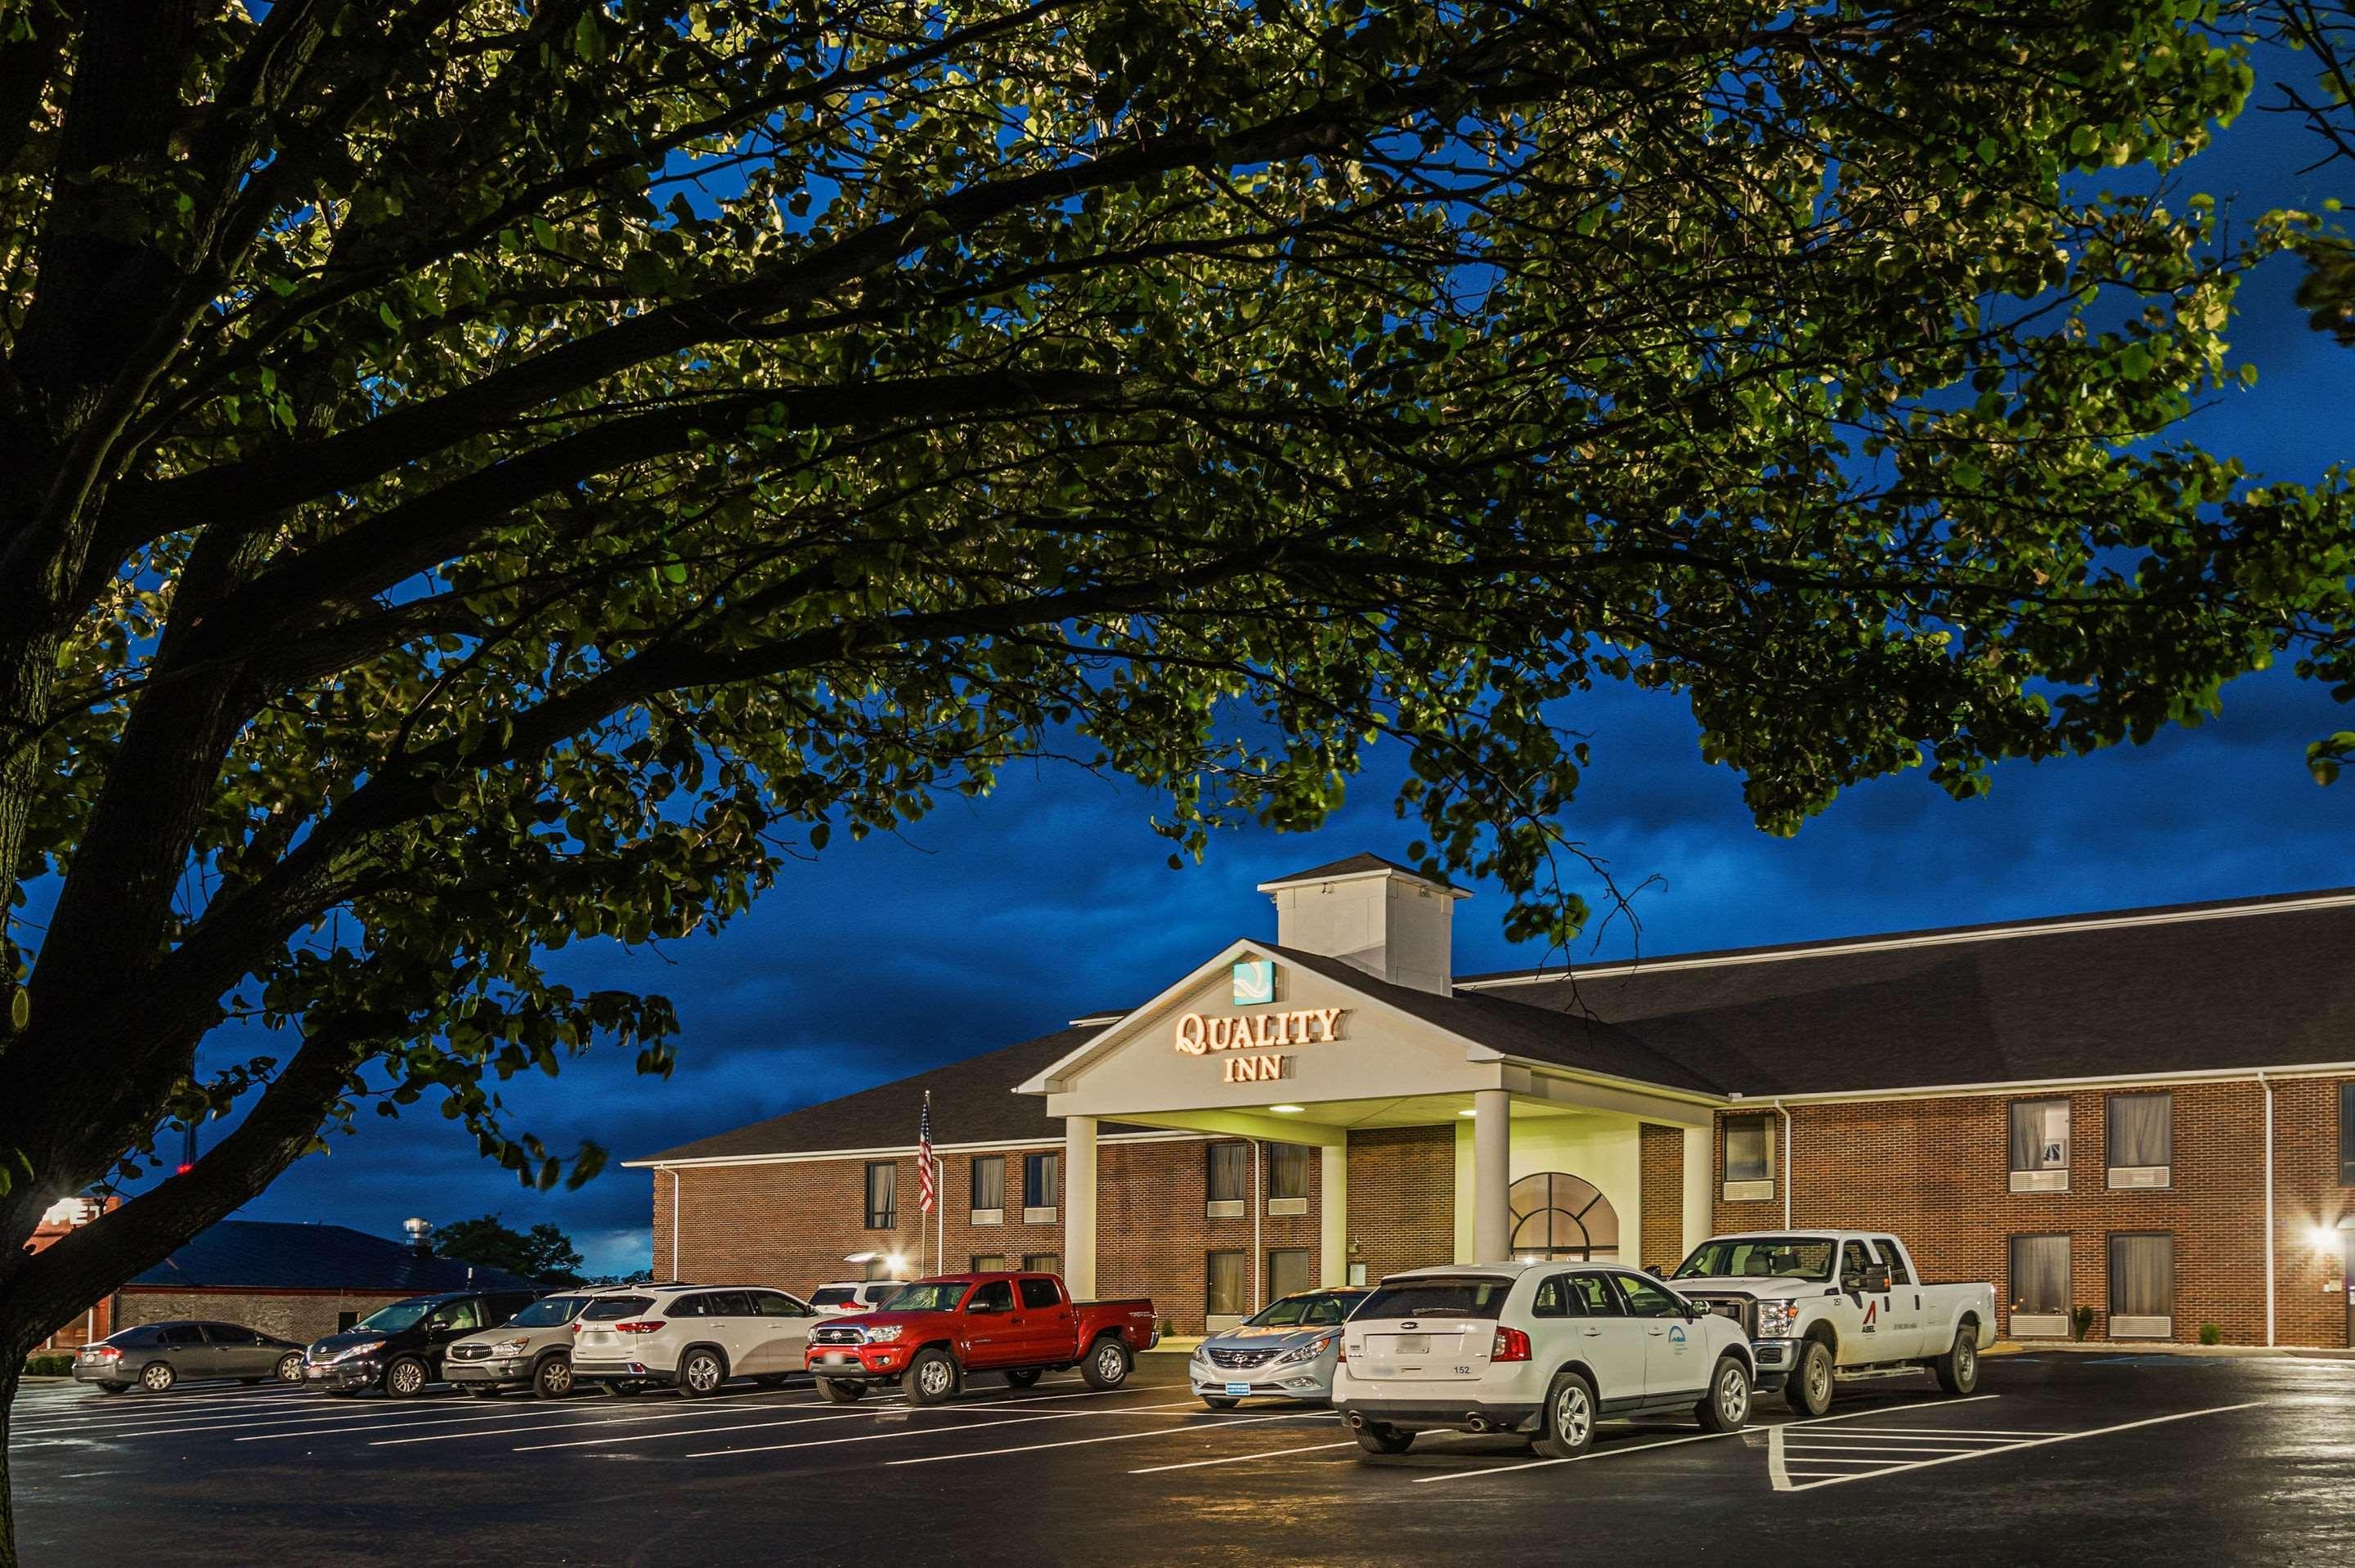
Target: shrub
2210	1334
48	1366
2081	1321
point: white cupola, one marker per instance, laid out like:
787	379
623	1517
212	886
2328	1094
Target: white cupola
1389	921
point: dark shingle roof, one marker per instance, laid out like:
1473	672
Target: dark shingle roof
262	1254
2250	983
1355	866
972	1102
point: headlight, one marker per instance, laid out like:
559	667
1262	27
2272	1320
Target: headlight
510	1347
1308	1353
367	1347
883	1336
1778	1319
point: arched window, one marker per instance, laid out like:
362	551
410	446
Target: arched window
1556	1215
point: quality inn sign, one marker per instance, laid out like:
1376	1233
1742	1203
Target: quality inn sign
1198	1034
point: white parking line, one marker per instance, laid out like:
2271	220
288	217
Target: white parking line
135	1414
1212	1424
921	1431
1245	1458
1785	1482
852	1416
1698	1437
695	1408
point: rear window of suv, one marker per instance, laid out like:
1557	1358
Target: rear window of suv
613	1308
1467	1297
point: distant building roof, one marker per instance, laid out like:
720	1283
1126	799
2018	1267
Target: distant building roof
1355	866
266	1254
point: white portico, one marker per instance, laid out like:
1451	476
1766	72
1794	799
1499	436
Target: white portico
1347	1024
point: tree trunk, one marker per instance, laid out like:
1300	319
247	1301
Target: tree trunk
12	1373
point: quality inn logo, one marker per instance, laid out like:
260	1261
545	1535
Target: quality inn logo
1255	982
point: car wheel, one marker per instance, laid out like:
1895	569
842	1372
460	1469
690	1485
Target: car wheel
932	1377
1726	1407
841	1391
1107	1363
290	1367
1375	1439
157	1376
552	1379
405	1378
1219	1402
701	1373
1809	1392
1022	1379
1566	1426
1958	1368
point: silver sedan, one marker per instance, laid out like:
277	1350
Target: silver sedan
1285	1351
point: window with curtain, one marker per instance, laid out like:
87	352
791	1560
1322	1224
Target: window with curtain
988	1186
2039	1146
1749	1154
2142	1140
1230	1172
989	1263
1043	1262
1287	1170
2347	1134
2039	1284
882	1194
1290	1271
1042	1180
1228	1292
2142	1286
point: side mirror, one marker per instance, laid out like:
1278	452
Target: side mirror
1693	1312
1876	1278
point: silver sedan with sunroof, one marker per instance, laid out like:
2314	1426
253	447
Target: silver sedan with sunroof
1285	1351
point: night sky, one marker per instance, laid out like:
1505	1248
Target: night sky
998	920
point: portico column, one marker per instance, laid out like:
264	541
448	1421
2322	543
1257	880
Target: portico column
1079	1206
1333	1216
1492	1175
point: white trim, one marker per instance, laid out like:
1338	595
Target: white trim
2273	1239
1414	876
889	1152
2019	1085
1046	1080
1925	939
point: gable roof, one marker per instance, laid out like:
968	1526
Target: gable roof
1359	864
265	1255
973	1102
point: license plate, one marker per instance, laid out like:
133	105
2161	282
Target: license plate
838	1358
315	1371
1238	1389
1412	1345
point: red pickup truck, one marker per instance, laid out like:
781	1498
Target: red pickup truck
935	1331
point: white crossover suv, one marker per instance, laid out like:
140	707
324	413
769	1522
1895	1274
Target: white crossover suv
837	1296
1544	1349
690	1337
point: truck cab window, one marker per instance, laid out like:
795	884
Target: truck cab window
1040	1293
1894	1256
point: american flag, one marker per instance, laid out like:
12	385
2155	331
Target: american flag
924	1193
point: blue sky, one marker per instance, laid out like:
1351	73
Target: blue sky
997	919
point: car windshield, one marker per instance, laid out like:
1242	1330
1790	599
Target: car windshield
834	1296
393	1318
926	1296
1316	1310
1760	1257
1471	1297
613	1308
549	1312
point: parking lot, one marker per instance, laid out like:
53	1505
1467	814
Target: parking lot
2059	1457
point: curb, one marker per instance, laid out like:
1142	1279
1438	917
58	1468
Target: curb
2163	1348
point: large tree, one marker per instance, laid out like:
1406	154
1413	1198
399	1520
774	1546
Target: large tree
475	475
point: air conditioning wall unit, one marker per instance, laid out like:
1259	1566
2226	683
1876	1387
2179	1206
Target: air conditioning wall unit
1287	1205
1225	1209
2141	1175
2040	1181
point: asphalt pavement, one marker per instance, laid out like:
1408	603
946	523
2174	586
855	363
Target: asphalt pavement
2066	1459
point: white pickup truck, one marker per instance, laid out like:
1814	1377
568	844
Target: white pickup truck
1825	1308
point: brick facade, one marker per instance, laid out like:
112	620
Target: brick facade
1401	1199
1661	1167
790	1224
300	1316
1936	1171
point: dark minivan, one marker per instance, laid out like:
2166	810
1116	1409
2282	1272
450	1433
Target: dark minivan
399	1349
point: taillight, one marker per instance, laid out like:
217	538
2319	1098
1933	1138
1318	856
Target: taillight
648	1325
1511	1345
1342	1355
107	1353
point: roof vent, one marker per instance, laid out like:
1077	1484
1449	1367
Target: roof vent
1385	918
420	1234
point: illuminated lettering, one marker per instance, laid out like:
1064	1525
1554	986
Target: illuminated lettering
1199	1033
1252	1069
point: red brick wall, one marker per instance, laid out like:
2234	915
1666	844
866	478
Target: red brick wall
1937	1173
791	1223
300	1316
1402	1198
1660	1170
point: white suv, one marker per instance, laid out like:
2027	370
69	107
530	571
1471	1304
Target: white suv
692	1336
841	1296
1544	1349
